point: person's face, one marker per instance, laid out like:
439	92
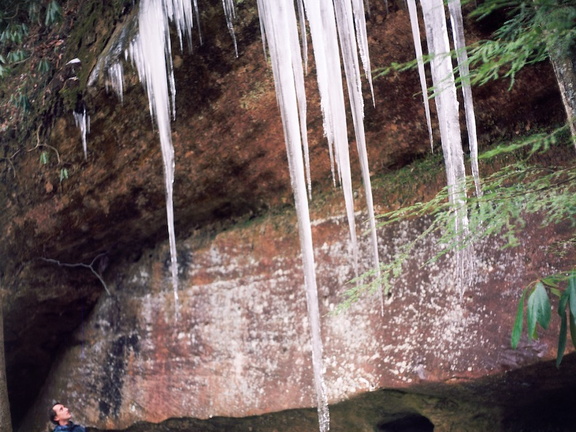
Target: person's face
62	413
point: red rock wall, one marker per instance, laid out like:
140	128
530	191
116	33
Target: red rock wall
240	347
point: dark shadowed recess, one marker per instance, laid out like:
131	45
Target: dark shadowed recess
409	423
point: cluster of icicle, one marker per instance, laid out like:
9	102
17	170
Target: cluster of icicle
444	85
337	30
334	26
151	53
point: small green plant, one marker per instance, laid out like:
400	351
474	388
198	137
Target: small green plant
63	174
21	101
44	157
34	12
14	33
15	18
43	66
16	56
53	13
538	309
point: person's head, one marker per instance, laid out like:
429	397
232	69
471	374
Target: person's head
59	414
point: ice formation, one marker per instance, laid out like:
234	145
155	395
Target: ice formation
151	53
337	31
421	72
448	118
116	79
279	26
445	88
455	10
82	121
336	28
445	98
230	12
351	16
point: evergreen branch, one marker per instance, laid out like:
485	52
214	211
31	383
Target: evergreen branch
510	194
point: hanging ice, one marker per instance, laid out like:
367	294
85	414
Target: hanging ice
115	80
460	46
230	12
419	57
329	23
150	51
349	46
278	21
152	56
362	36
445	97
448	118
445	88
181	12
82	121
303	36
323	30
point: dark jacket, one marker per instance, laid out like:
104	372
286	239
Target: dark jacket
70	427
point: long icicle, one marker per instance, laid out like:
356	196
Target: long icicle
278	21
413	12
455	10
445	96
448	117
280	29
324	35
230	12
349	47
362	37
151	54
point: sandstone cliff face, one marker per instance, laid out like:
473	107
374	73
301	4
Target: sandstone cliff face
240	345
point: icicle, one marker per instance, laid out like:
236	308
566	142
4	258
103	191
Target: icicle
349	48
322	23
465	258
460	45
418	47
116	80
445	96
197	16
278	20
230	12
82	121
151	53
304	42
301	97
181	13
448	117
362	35
263	34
